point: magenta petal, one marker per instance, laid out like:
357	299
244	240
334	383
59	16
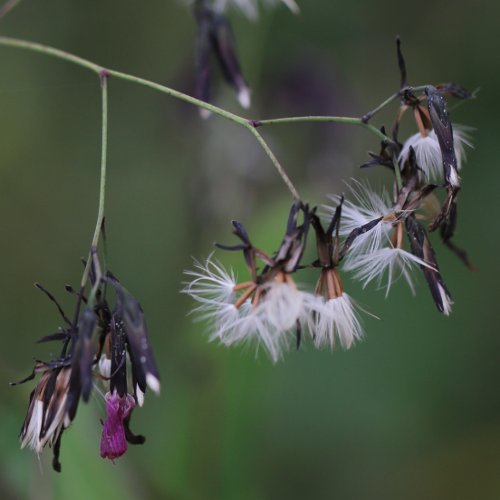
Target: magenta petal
113	441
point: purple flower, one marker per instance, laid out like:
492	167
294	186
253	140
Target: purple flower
113	441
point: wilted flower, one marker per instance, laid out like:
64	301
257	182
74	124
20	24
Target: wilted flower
365	207
373	227
428	153
47	415
270	307
333	319
331	314
421	246
434	154
264	309
100	344
385	266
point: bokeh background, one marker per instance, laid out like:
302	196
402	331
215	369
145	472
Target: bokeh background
412	412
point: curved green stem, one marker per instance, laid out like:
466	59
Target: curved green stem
96	68
248	124
397	175
274	160
368	116
49	51
324	119
104	152
66	56
103	75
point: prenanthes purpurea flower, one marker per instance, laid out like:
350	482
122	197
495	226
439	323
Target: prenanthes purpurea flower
103	346
374	229
423	165
331	314
266	308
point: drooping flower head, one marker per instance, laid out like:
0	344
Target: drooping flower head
373	229
103	345
438	147
428	152
267	307
47	415
331	313
367	209
430	159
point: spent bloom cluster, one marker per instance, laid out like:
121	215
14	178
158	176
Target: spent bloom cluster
270	309
377	253
374	236
102	346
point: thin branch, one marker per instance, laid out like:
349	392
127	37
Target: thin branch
61	54
276	163
103	75
397	177
248	124
50	51
368	116
96	68
323	119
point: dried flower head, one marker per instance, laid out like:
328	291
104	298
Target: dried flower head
269	308
264	309
47	413
428	152
104	345
331	313
374	230
363	207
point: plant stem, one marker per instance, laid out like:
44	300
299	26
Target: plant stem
104	151
323	119
397	175
61	54
96	68
368	116
275	161
251	125
103	75
49	51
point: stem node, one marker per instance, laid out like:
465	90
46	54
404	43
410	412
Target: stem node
103	76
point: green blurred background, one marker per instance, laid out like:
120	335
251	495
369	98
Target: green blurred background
412	412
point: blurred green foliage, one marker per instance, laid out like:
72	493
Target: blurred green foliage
412	412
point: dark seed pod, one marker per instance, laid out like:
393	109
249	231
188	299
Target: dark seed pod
422	248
